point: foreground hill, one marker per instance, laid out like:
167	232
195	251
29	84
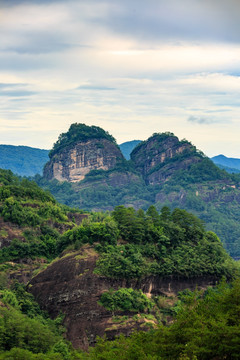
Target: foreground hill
205	326
23	160
163	171
97	273
31	220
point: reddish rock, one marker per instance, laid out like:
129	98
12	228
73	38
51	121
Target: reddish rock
69	286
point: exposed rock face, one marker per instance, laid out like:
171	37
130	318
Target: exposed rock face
72	164
70	286
152	158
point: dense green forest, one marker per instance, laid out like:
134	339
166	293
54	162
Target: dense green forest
217	205
36	217
131	245
172	242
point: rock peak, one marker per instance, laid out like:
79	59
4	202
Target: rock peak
82	149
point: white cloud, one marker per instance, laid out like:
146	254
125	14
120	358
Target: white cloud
133	68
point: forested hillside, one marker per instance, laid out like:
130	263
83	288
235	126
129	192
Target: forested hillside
132	262
31	219
162	171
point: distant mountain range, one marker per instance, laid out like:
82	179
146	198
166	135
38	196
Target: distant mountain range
23	160
231	165
127	147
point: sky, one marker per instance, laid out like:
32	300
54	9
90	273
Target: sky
132	67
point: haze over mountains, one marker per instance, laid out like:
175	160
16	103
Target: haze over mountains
23	160
231	165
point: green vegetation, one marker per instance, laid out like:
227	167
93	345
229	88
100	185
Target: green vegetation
131	245
200	172
206	327
159	137
172	243
79	132
126	300
214	202
99	192
105	233
35	216
188	180
26	331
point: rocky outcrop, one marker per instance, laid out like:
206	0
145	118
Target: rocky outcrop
156	159
71	287
73	163
161	156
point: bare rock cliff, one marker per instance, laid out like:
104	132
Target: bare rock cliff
72	164
69	286
161	155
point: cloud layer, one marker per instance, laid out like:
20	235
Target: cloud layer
131	67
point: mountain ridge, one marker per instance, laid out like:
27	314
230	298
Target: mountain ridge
23	160
232	163
163	171
186	180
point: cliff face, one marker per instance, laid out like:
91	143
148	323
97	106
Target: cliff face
72	164
158	158
70	286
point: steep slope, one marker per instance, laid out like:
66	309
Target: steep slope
162	155
89	159
71	287
31	220
23	160
113	285
80	150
